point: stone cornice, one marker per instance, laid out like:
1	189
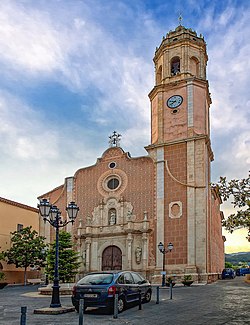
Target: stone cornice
193	138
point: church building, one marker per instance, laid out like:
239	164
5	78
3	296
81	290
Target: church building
128	205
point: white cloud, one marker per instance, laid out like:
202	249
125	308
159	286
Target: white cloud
22	129
28	40
228	66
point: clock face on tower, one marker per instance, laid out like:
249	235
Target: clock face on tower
174	101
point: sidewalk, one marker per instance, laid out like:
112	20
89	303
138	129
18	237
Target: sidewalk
223	302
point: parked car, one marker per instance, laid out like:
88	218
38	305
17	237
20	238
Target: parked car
228	273
242	271
99	288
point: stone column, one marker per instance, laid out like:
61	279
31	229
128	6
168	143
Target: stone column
191	202
144	251
101	213
160	203
69	188
88	244
94	258
129	251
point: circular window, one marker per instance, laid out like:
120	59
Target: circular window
113	183
112	165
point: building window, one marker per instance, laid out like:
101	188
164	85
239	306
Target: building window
175	66
19	227
112	165
113	183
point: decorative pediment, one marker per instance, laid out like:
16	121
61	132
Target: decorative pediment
112	212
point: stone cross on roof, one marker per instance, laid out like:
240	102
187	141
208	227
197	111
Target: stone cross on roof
114	139
180	18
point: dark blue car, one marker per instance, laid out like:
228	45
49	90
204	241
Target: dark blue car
99	288
228	273
242	271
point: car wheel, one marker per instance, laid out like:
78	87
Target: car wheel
147	297
120	304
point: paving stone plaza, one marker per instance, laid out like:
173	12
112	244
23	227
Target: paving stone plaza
223	302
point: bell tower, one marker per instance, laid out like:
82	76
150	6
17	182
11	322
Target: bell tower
180	147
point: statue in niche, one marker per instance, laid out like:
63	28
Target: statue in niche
112	217
138	253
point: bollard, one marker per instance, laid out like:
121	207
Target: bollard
171	290
116	306
140	299
157	295
1	312
23	316
81	309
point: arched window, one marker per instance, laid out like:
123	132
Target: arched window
194	66
159	75
175	66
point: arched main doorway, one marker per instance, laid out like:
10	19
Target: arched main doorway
111	258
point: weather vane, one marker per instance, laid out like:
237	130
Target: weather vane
114	139
180	18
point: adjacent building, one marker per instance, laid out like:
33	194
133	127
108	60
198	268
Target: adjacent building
15	216
128	205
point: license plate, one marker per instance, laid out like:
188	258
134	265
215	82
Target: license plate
90	295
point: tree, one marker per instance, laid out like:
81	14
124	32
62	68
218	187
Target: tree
68	259
228	265
27	249
239	190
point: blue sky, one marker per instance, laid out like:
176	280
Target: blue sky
74	71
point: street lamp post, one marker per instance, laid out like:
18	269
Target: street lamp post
164	251
52	215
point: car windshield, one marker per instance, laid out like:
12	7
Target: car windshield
96	279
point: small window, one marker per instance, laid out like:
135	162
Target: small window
112	165
19	227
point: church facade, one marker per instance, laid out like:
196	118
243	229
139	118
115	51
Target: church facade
128	205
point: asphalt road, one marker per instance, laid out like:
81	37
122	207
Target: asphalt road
223	302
